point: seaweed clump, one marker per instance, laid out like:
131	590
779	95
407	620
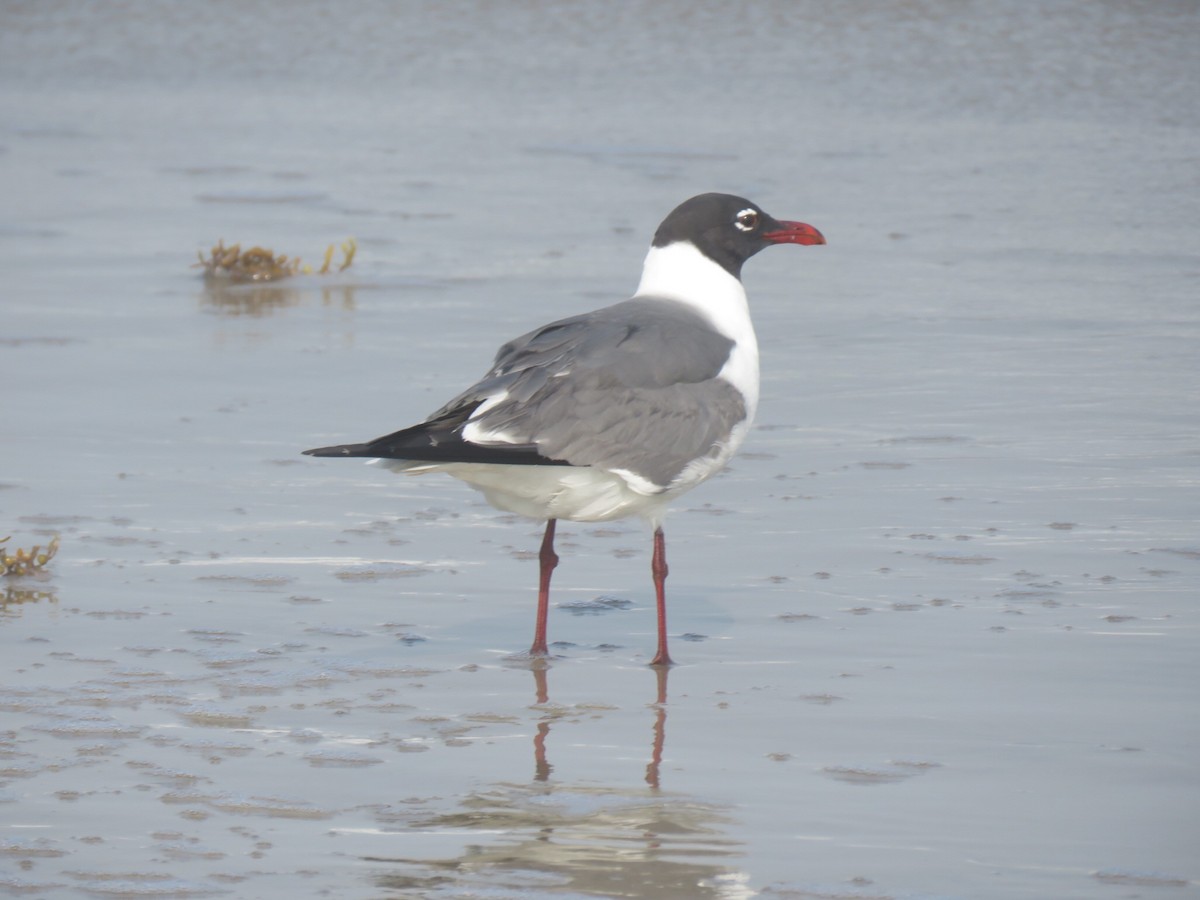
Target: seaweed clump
26	562
258	264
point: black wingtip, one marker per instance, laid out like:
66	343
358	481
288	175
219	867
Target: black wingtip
342	450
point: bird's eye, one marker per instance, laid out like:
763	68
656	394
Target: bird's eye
746	220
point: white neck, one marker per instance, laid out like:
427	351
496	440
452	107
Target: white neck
681	272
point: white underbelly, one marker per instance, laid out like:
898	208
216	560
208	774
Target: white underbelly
580	494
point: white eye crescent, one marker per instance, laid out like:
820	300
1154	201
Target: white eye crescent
746	220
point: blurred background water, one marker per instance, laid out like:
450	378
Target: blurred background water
937	623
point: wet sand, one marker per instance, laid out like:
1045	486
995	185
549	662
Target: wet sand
936	626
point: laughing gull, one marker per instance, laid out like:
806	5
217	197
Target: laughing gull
619	411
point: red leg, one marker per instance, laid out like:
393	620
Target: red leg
547	559
658	568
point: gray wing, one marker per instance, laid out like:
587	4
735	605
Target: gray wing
632	386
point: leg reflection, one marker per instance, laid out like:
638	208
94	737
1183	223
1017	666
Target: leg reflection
660	727
541	693
541	768
541	764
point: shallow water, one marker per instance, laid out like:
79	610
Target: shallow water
936	626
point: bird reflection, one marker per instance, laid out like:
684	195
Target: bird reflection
548	838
